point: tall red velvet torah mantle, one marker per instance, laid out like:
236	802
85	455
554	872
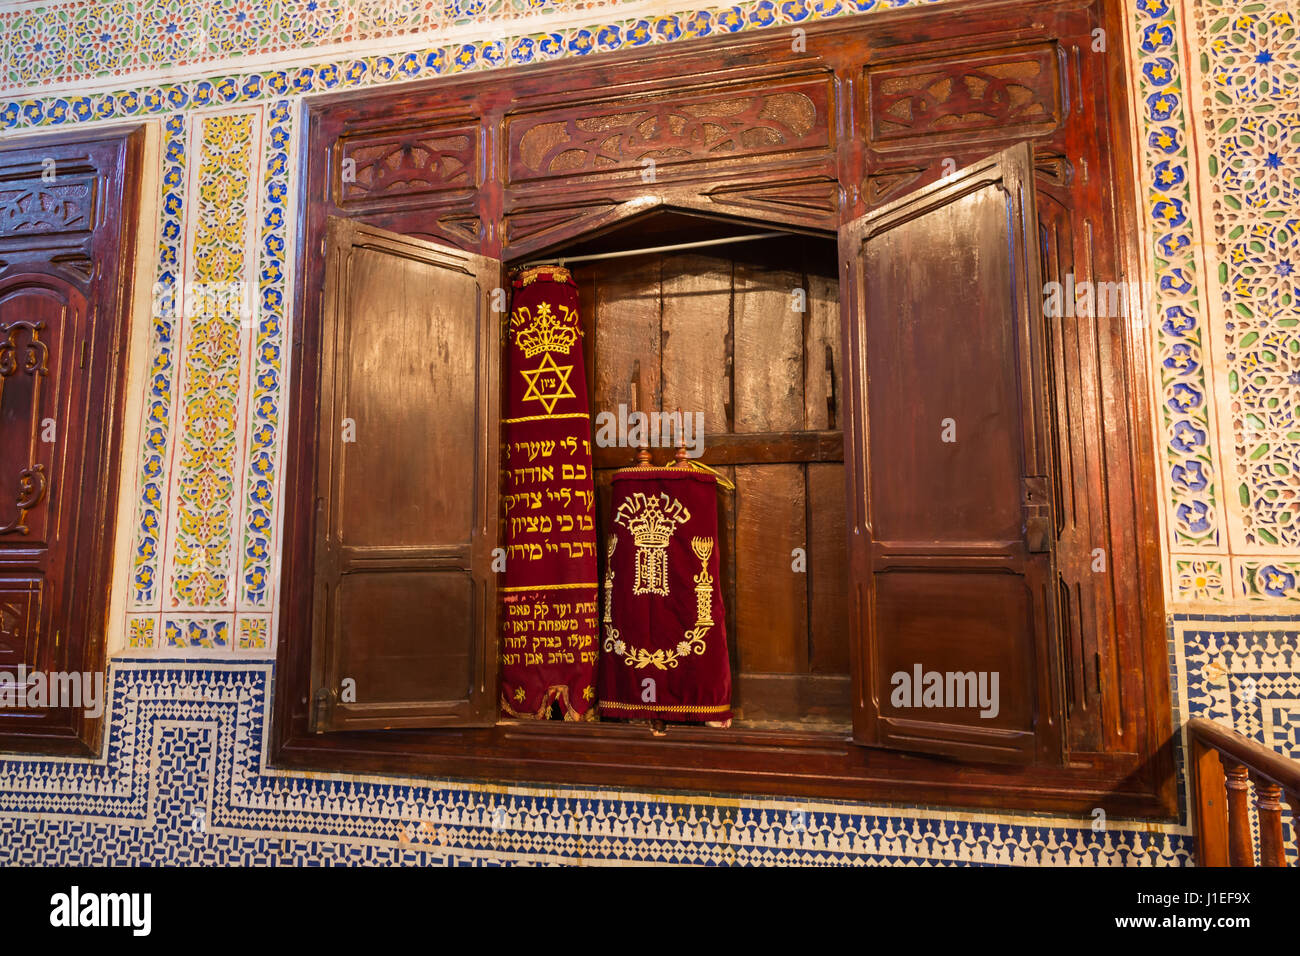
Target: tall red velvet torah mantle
664	650
548	645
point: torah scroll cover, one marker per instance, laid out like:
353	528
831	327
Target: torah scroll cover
550	623
664	650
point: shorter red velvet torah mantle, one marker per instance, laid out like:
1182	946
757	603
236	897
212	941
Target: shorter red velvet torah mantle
664	651
549	624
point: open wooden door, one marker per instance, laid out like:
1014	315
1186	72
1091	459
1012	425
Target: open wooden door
951	484
404	630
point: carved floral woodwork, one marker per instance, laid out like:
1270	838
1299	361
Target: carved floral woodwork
592	139
410	163
1000	93
31	358
35	353
29	209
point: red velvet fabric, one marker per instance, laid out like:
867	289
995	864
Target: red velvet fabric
549	624
664	650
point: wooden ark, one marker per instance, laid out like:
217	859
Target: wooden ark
927	171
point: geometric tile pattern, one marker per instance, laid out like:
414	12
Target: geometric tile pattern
78	41
1200	578
1266	579
183	781
1249	119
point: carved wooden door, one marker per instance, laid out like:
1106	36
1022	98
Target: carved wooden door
951	488
67	228
43	318
405	621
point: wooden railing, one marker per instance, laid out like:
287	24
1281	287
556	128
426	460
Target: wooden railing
1224	765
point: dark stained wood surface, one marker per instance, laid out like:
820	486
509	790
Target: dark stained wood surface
680	320
1015	71
405	599
67	247
956	471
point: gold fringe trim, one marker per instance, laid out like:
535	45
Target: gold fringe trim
559	692
666	708
554	273
550	587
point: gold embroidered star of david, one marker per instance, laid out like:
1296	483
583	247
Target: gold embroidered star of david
562	387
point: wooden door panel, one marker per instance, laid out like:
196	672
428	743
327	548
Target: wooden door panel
957	494
828	574
412	399
66	244
392	652
22	620
769	350
696	331
945	464
931	610
39	316
771	597
404	629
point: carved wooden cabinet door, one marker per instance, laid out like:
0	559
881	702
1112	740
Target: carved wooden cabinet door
404	630
67	236
950	471
43	318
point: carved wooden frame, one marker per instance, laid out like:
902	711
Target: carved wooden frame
818	185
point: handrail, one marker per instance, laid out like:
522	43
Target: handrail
1223	766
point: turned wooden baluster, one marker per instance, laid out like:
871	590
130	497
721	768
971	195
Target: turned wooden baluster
1268	804
1223	764
1240	850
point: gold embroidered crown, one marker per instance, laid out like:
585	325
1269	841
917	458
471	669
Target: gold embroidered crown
650	525
546	332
